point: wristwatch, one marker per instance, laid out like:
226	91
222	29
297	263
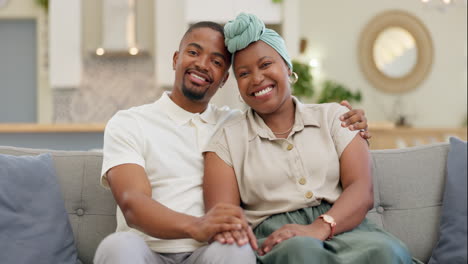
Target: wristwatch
329	220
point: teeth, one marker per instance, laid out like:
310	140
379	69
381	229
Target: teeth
264	91
199	77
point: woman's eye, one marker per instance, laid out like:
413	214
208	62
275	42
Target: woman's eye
242	74
265	64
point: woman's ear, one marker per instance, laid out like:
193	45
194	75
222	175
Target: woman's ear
289	71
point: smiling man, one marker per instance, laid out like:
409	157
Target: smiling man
153	165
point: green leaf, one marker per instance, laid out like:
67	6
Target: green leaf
304	87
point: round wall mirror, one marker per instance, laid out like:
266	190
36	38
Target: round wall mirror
395	52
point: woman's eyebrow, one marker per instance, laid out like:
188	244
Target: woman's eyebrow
259	60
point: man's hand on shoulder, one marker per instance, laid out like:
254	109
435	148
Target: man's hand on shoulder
355	119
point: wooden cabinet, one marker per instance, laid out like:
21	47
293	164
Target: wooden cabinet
387	137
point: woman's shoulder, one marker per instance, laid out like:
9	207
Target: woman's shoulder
325	111
234	120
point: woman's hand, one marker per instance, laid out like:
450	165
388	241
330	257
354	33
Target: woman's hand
318	230
240	237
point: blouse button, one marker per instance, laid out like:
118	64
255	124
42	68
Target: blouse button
289	147
302	181
309	195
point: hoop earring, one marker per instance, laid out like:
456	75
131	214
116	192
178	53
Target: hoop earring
241	100
293	78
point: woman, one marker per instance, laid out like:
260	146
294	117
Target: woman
304	181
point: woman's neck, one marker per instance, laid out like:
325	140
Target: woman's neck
282	120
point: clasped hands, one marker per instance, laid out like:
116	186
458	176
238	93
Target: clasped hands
227	224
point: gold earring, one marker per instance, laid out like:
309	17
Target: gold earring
293	78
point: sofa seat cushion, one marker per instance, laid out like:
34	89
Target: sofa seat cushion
452	244
34	225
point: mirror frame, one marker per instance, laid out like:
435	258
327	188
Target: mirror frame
409	81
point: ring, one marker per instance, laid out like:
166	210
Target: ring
362	130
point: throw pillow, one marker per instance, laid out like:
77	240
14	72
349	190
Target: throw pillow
34	225
452	244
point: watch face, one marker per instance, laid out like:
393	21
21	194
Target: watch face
328	218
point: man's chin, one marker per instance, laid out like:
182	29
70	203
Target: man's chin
194	95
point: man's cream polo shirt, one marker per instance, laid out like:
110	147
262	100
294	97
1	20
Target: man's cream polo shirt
282	175
167	142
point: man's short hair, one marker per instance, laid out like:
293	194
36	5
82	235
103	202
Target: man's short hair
208	24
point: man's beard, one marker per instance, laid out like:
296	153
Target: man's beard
193	95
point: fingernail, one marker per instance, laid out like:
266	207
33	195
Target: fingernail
351	127
341	118
343	123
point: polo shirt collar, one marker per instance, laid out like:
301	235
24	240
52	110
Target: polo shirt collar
182	116
303	117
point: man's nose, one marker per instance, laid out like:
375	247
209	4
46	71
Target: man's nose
202	62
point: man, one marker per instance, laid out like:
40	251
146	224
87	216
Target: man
154	166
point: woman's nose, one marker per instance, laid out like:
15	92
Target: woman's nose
258	78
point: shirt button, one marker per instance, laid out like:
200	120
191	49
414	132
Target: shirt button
302	181
289	147
309	195
79	212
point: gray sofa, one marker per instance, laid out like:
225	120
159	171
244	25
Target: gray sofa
408	187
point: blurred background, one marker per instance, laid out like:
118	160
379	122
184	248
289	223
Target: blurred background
66	66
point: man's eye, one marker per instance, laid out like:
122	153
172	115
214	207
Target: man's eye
218	63
192	52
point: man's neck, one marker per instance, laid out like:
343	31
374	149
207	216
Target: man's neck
187	104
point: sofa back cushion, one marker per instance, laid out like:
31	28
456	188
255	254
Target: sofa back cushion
408	188
452	245
34	226
90	208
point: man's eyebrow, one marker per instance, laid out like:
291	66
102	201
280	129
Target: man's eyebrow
218	54
195	45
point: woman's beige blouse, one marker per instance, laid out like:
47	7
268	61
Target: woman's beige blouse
281	175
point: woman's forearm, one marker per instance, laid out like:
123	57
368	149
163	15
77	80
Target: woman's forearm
352	206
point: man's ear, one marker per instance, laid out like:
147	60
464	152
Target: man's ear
225	77
174	59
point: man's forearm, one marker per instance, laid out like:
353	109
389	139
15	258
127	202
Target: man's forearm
151	217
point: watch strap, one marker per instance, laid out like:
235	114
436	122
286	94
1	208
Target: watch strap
331	221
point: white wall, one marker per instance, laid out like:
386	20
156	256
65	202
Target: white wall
65	43
333	28
20	9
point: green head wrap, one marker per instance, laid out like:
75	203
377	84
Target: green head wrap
248	28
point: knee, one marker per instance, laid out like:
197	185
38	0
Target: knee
301	246
225	253
118	247
390	251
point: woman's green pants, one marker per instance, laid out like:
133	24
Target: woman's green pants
364	244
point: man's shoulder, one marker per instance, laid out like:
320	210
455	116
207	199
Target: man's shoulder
131	114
